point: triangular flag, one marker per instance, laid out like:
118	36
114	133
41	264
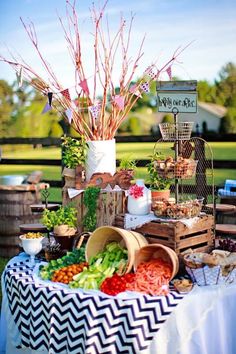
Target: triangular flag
151	72
133	89
19	77
69	114
83	84
95	110
169	72
145	87
120	101
50	98
66	94
47	108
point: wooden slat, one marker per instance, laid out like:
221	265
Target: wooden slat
24	187
177	235
108	205
194	240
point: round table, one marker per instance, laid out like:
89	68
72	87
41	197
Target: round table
221	209
50	318
46	317
33	228
227	229
39	208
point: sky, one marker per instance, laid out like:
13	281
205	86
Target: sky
167	24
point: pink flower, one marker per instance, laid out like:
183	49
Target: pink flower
136	191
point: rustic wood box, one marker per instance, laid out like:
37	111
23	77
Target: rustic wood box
176	235
108	206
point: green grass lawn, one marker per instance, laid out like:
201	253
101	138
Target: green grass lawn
220	150
139	151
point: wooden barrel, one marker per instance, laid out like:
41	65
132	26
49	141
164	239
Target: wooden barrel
15	210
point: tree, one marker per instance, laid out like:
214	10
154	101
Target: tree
228	124
206	91
21	113
226	86
6	107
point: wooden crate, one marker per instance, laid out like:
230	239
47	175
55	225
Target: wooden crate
108	206
176	235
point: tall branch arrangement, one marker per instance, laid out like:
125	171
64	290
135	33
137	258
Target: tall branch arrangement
93	118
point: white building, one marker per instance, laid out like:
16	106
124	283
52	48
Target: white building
210	113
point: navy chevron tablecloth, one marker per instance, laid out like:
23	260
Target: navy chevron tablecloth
60	320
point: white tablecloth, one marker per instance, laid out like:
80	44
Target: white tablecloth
202	323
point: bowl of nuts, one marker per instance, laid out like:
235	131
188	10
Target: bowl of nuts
32	244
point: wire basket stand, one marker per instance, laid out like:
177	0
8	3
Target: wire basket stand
176	142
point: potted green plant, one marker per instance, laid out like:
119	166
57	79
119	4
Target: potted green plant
160	187
74	151
125	173
127	163
62	224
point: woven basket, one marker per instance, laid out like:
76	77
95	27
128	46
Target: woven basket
155	251
103	235
184	169
186	210
210	275
178	131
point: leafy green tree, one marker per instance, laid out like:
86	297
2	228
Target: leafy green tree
135	126
226	86
206	91
30	122
6	107
228	123
21	113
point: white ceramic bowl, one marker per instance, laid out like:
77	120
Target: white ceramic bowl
31	246
12	180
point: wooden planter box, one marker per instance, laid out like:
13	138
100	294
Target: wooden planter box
108	206
176	235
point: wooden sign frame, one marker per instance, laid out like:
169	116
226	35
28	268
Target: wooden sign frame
180	96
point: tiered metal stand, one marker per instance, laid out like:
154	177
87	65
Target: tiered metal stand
195	180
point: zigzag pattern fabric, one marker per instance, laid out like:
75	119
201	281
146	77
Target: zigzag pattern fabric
62	320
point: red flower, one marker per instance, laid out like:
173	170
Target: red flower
136	191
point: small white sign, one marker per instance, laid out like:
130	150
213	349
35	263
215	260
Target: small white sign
183	102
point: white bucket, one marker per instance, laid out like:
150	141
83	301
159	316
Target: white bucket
101	157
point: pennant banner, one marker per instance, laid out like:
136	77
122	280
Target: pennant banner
151	71
169	72
95	110
120	102
134	89
145	87
50	98
47	108
69	114
66	94
83	84
19	77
